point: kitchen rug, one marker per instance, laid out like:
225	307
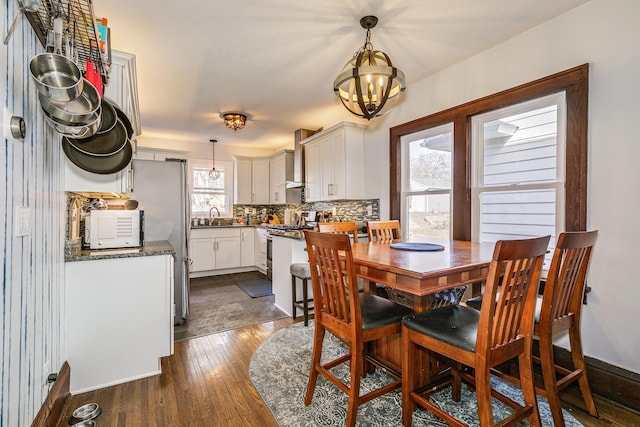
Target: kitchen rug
255	288
279	370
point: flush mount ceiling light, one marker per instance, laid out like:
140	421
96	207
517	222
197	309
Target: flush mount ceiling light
234	121
369	85
213	173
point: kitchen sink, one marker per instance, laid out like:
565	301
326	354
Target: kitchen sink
217	222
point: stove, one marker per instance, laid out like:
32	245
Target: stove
288	230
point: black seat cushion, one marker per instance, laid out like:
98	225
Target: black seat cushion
377	311
453	324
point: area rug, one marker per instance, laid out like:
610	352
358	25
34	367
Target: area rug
279	370
217	305
255	288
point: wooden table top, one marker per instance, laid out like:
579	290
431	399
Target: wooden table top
422	272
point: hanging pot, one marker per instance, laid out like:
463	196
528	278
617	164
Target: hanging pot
57	78
108	116
74	130
98	164
78	111
102	145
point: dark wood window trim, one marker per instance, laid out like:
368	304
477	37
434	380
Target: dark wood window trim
575	83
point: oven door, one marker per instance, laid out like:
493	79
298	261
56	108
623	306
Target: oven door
269	258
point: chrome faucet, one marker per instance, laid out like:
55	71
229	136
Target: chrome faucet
210	213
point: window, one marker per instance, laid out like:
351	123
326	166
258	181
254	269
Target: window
426	177
517	188
207	193
564	184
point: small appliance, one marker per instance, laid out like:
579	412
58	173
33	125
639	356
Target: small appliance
114	229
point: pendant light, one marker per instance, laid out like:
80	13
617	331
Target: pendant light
369	85
213	173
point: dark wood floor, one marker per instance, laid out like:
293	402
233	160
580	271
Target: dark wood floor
205	383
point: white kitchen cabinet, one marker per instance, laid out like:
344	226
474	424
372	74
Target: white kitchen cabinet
247	247
119	319
242	180
260	251
160	155
281	171
214	249
334	163
260	181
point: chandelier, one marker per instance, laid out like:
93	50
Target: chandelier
369	85
234	121
213	173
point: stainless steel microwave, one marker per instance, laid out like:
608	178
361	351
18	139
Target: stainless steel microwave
114	229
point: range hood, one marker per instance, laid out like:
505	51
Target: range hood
298	158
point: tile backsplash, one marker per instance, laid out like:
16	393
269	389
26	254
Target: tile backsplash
359	211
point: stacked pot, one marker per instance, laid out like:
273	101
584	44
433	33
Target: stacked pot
96	134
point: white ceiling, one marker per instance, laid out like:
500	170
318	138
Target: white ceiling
276	60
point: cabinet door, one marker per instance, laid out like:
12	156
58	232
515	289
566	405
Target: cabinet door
227	252
333	177
202	254
260	181
260	251
313	171
79	180
277	166
247	247
243	181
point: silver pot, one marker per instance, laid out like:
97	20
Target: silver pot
105	144
56	77
75	130
79	111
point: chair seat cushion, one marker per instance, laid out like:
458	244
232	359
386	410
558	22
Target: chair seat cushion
453	324
301	270
377	311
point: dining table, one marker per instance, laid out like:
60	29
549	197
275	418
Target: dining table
419	273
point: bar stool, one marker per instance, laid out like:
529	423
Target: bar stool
302	271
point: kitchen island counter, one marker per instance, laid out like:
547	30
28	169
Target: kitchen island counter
151	248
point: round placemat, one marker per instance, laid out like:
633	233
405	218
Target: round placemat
417	246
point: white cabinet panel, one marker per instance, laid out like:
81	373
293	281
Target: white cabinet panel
202	254
260	252
334	163
260	181
247	247
243	184
119	319
216	248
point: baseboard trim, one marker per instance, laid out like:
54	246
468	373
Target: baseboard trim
57	399
607	381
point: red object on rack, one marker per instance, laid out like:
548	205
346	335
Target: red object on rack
93	76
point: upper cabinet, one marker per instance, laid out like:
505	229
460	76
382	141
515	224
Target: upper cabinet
281	171
251	180
123	87
334	163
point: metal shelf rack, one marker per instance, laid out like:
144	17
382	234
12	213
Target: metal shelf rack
78	21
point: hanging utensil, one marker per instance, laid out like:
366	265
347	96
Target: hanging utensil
57	33
29	6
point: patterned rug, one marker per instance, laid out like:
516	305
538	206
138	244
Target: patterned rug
279	370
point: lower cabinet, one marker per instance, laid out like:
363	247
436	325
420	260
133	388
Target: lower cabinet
247	247
214	249
260	250
119	319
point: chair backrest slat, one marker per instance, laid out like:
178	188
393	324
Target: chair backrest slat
515	266
333	277
566	279
346	227
383	230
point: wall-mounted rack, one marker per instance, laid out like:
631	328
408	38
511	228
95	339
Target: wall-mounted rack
79	23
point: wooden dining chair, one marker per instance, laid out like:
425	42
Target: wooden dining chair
501	331
558	311
355	318
383	230
346	227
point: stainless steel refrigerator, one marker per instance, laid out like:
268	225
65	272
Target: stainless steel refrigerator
162	190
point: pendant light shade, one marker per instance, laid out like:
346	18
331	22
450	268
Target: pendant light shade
213	173
369	85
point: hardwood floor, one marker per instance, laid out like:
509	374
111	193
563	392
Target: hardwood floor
206	383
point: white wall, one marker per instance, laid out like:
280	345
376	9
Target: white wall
31	292
603	33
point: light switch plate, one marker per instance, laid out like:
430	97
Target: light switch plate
21	221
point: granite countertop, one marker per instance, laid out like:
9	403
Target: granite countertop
156	247
235	225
